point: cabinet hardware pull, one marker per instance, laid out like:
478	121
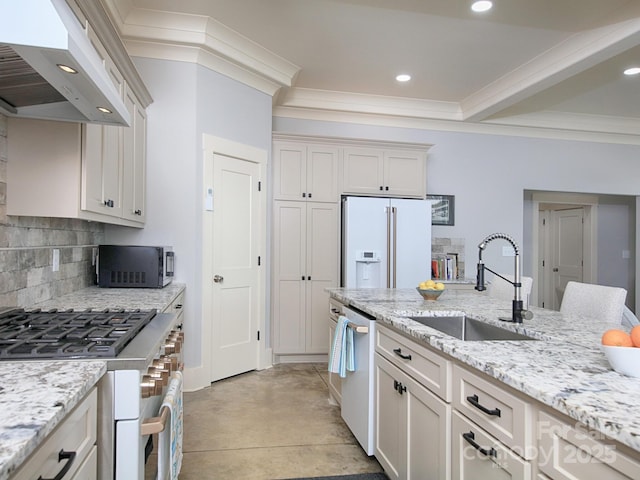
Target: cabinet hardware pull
302	277
108	203
473	400
309	194
304	195
470	437
218	278
381	187
309	277
62	455
138	212
398	351
335	310
386	188
398	387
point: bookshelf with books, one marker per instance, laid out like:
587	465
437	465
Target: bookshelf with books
445	267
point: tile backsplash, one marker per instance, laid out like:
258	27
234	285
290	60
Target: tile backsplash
27	247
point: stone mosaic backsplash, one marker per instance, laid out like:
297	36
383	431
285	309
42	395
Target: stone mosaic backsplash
27	249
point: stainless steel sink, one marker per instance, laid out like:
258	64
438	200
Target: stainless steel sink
470	329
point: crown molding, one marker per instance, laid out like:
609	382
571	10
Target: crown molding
454	126
217	45
576	54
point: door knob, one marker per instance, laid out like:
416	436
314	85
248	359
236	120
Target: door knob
218	278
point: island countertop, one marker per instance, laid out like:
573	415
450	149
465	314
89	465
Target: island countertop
32	407
565	370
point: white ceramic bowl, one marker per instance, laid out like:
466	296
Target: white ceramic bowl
429	294
624	360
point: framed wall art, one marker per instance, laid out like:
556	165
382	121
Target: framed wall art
442	209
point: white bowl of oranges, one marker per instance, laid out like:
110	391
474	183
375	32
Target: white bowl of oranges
622	350
430	290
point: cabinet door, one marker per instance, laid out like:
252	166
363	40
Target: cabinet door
322	173
101	164
476	454
289	171
289	277
573	452
428	435
362	171
405	174
390	420
322	245
134	161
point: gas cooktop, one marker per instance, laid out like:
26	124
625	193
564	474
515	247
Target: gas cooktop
54	334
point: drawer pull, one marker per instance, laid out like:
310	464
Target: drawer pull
473	400
69	457
398	351
470	438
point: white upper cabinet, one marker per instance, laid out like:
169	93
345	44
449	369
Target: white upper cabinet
385	172
305	172
88	171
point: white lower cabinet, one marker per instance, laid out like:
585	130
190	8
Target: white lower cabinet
570	451
70	451
412	437
477	455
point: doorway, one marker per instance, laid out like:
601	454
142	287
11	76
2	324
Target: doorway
233	260
565	226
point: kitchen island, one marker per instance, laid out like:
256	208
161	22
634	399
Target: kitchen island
35	397
564	369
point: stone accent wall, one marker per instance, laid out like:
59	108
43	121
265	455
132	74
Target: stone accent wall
27	244
444	245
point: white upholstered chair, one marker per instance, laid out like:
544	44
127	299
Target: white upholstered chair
501	290
628	318
594	301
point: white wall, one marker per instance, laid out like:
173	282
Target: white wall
189	101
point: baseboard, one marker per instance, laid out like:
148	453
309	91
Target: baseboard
302	358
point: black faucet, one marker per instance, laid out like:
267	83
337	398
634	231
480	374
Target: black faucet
517	312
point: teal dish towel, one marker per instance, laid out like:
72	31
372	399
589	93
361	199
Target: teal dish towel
342	355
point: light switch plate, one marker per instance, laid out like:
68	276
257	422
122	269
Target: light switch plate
55	262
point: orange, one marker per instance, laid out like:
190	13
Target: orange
617	338
635	336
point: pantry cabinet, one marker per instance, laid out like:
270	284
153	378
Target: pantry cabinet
385	172
305	171
305	244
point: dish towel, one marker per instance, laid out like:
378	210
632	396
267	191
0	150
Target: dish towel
170	439
342	356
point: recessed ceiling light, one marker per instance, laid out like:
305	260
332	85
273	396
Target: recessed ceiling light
632	71
481	6
403	77
104	110
67	68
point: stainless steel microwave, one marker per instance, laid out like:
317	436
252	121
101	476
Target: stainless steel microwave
134	266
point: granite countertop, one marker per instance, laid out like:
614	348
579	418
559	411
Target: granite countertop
47	391
127	298
33	406
565	370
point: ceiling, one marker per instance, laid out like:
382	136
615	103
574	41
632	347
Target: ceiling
542	63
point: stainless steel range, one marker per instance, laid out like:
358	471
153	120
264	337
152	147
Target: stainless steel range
142	349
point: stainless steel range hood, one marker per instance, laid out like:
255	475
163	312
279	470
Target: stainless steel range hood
37	39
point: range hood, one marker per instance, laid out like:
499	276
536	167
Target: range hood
37	40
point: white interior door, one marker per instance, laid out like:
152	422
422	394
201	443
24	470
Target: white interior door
567	250
234	316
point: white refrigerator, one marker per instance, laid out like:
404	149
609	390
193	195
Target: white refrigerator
386	242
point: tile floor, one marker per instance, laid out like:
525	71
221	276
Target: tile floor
266	425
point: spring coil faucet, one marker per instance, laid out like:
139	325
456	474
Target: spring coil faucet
518	311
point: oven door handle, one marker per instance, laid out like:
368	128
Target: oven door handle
155	424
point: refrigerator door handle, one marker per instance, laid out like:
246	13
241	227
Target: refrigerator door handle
394	214
388	209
